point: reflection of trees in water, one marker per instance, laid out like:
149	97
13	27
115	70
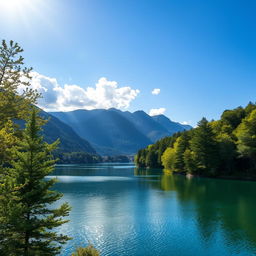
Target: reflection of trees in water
226	204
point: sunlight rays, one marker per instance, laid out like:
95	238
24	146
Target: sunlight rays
26	13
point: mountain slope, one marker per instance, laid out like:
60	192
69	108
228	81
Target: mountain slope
106	129
146	124
69	140
113	132
169	125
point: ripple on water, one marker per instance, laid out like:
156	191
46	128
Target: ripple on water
69	179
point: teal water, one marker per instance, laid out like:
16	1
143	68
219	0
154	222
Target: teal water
124	211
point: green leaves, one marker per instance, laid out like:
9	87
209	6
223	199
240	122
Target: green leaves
25	202
217	148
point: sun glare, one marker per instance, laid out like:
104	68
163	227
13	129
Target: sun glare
13	5
26	13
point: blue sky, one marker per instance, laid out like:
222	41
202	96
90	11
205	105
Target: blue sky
200	54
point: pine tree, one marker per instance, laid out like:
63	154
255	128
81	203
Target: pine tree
16	96
13	77
27	218
205	148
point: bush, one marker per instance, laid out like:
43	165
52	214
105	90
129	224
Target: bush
86	251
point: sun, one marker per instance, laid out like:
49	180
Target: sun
13	5
16	13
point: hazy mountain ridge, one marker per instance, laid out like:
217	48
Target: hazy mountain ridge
116	132
70	141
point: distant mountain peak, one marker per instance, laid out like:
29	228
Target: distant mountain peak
113	130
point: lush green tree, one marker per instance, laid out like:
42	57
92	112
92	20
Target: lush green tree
14	76
168	159
205	148
180	146
227	153
233	117
86	251
249	108
13	105
151	157
26	215
246	134
189	161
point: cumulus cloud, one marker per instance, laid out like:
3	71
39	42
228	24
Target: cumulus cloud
105	94
156	111
185	122
156	91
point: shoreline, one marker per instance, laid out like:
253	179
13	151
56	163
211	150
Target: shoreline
190	176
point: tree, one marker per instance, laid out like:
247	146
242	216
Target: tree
14	77
26	218
246	134
14	105
189	161
233	117
151	157
180	146
168	159
204	146
227	153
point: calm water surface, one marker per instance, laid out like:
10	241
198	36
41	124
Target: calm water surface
126	211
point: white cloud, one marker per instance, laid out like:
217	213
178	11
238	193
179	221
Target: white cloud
185	123
156	91
105	94
156	111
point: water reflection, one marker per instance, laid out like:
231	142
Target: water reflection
126	211
228	205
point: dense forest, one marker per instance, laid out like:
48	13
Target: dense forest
226	147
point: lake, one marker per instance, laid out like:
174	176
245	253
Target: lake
125	211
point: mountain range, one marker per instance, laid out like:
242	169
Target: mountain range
70	141
111	132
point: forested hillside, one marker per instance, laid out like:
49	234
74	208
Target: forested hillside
218	148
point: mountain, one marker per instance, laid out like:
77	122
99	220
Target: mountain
113	132
107	130
147	125
171	126
69	140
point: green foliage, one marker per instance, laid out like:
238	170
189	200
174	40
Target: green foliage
233	117
158	148
180	146
246	134
13	106
26	218
205	148
14	76
217	148
168	159
86	251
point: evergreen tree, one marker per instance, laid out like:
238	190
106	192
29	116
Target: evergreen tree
204	146
151	158
14	77
16	96
189	161
26	215
246	134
